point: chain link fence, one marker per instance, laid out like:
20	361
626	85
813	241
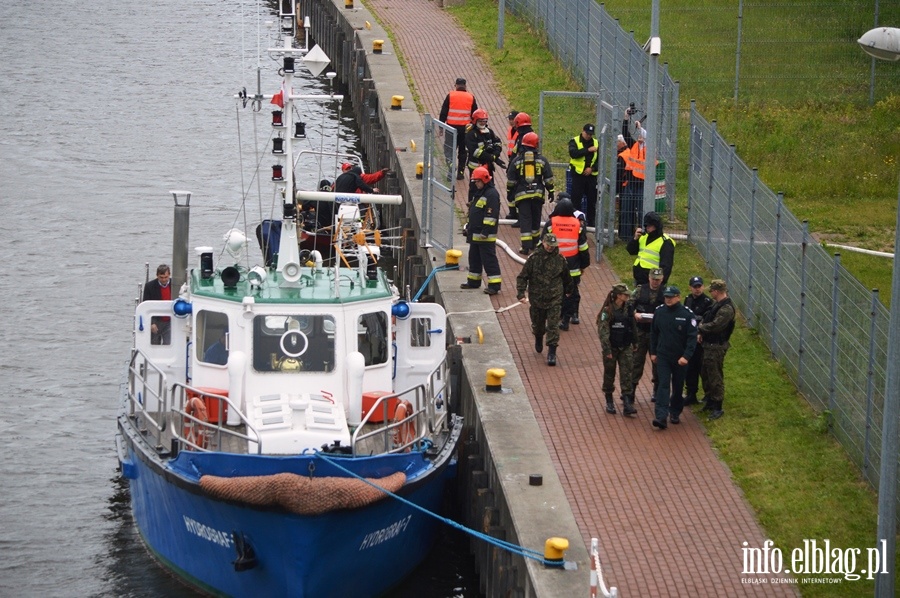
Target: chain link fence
607	62
828	331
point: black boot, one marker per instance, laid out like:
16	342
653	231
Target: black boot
538	343
551	355
691	398
707	404
564	323
629	405
715	412
575	318
610	407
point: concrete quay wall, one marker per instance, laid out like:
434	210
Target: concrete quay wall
503	445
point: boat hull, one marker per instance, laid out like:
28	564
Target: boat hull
350	552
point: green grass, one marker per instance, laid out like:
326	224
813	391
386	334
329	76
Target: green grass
797	478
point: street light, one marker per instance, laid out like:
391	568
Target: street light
881	42
884	43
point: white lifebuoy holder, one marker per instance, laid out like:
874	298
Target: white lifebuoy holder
291	272
291	333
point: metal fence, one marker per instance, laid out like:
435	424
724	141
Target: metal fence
439	184
609	62
828	331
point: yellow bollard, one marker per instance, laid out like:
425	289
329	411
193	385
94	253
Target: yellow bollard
453	255
494	378
396	102
348	4
376	46
420	170
554	549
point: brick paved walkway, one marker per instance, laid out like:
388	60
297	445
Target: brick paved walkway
670	520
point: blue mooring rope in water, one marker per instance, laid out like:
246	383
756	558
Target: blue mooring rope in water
527	553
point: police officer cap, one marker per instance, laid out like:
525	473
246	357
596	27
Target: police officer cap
619	289
589	128
696	281
550	239
718	285
657	273
671	291
460	81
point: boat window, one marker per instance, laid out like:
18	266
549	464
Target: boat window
419	336
160	330
212	337
293	343
372	340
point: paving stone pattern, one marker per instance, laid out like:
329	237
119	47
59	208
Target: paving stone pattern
670	520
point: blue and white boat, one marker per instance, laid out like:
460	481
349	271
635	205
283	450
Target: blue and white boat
293	432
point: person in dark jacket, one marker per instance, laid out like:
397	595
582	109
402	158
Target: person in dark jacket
349	181
583	157
644	301
481	233
616	329
456	112
528	176
653	248
673	338
545	278
159	289
699	303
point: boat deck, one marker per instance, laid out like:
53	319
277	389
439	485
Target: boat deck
670	519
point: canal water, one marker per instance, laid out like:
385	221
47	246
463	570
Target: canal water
106	107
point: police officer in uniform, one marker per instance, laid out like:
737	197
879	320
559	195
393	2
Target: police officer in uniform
572	236
545	278
673	339
645	299
699	303
481	234
528	176
715	331
616	328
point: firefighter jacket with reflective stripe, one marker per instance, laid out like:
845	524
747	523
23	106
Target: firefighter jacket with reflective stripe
483	213
483	147
528	175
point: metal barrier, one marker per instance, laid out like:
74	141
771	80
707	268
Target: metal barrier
439	184
828	331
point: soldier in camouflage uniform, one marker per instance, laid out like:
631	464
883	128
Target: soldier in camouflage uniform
616	328
645	299
545	276
714	333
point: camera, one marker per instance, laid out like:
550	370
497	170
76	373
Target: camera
631	109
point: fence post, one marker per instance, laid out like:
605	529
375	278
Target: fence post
712	166
775	277
752	245
737	53
728	222
870	379
832	373
427	173
690	181
802	348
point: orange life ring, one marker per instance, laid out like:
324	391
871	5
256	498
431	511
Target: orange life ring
192	432
405	432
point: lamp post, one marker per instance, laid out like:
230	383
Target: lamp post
884	43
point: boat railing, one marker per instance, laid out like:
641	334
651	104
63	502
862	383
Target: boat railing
212	432
147	386
426	420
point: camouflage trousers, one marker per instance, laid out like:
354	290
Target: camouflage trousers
623	358
641	348
712	371
546	320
